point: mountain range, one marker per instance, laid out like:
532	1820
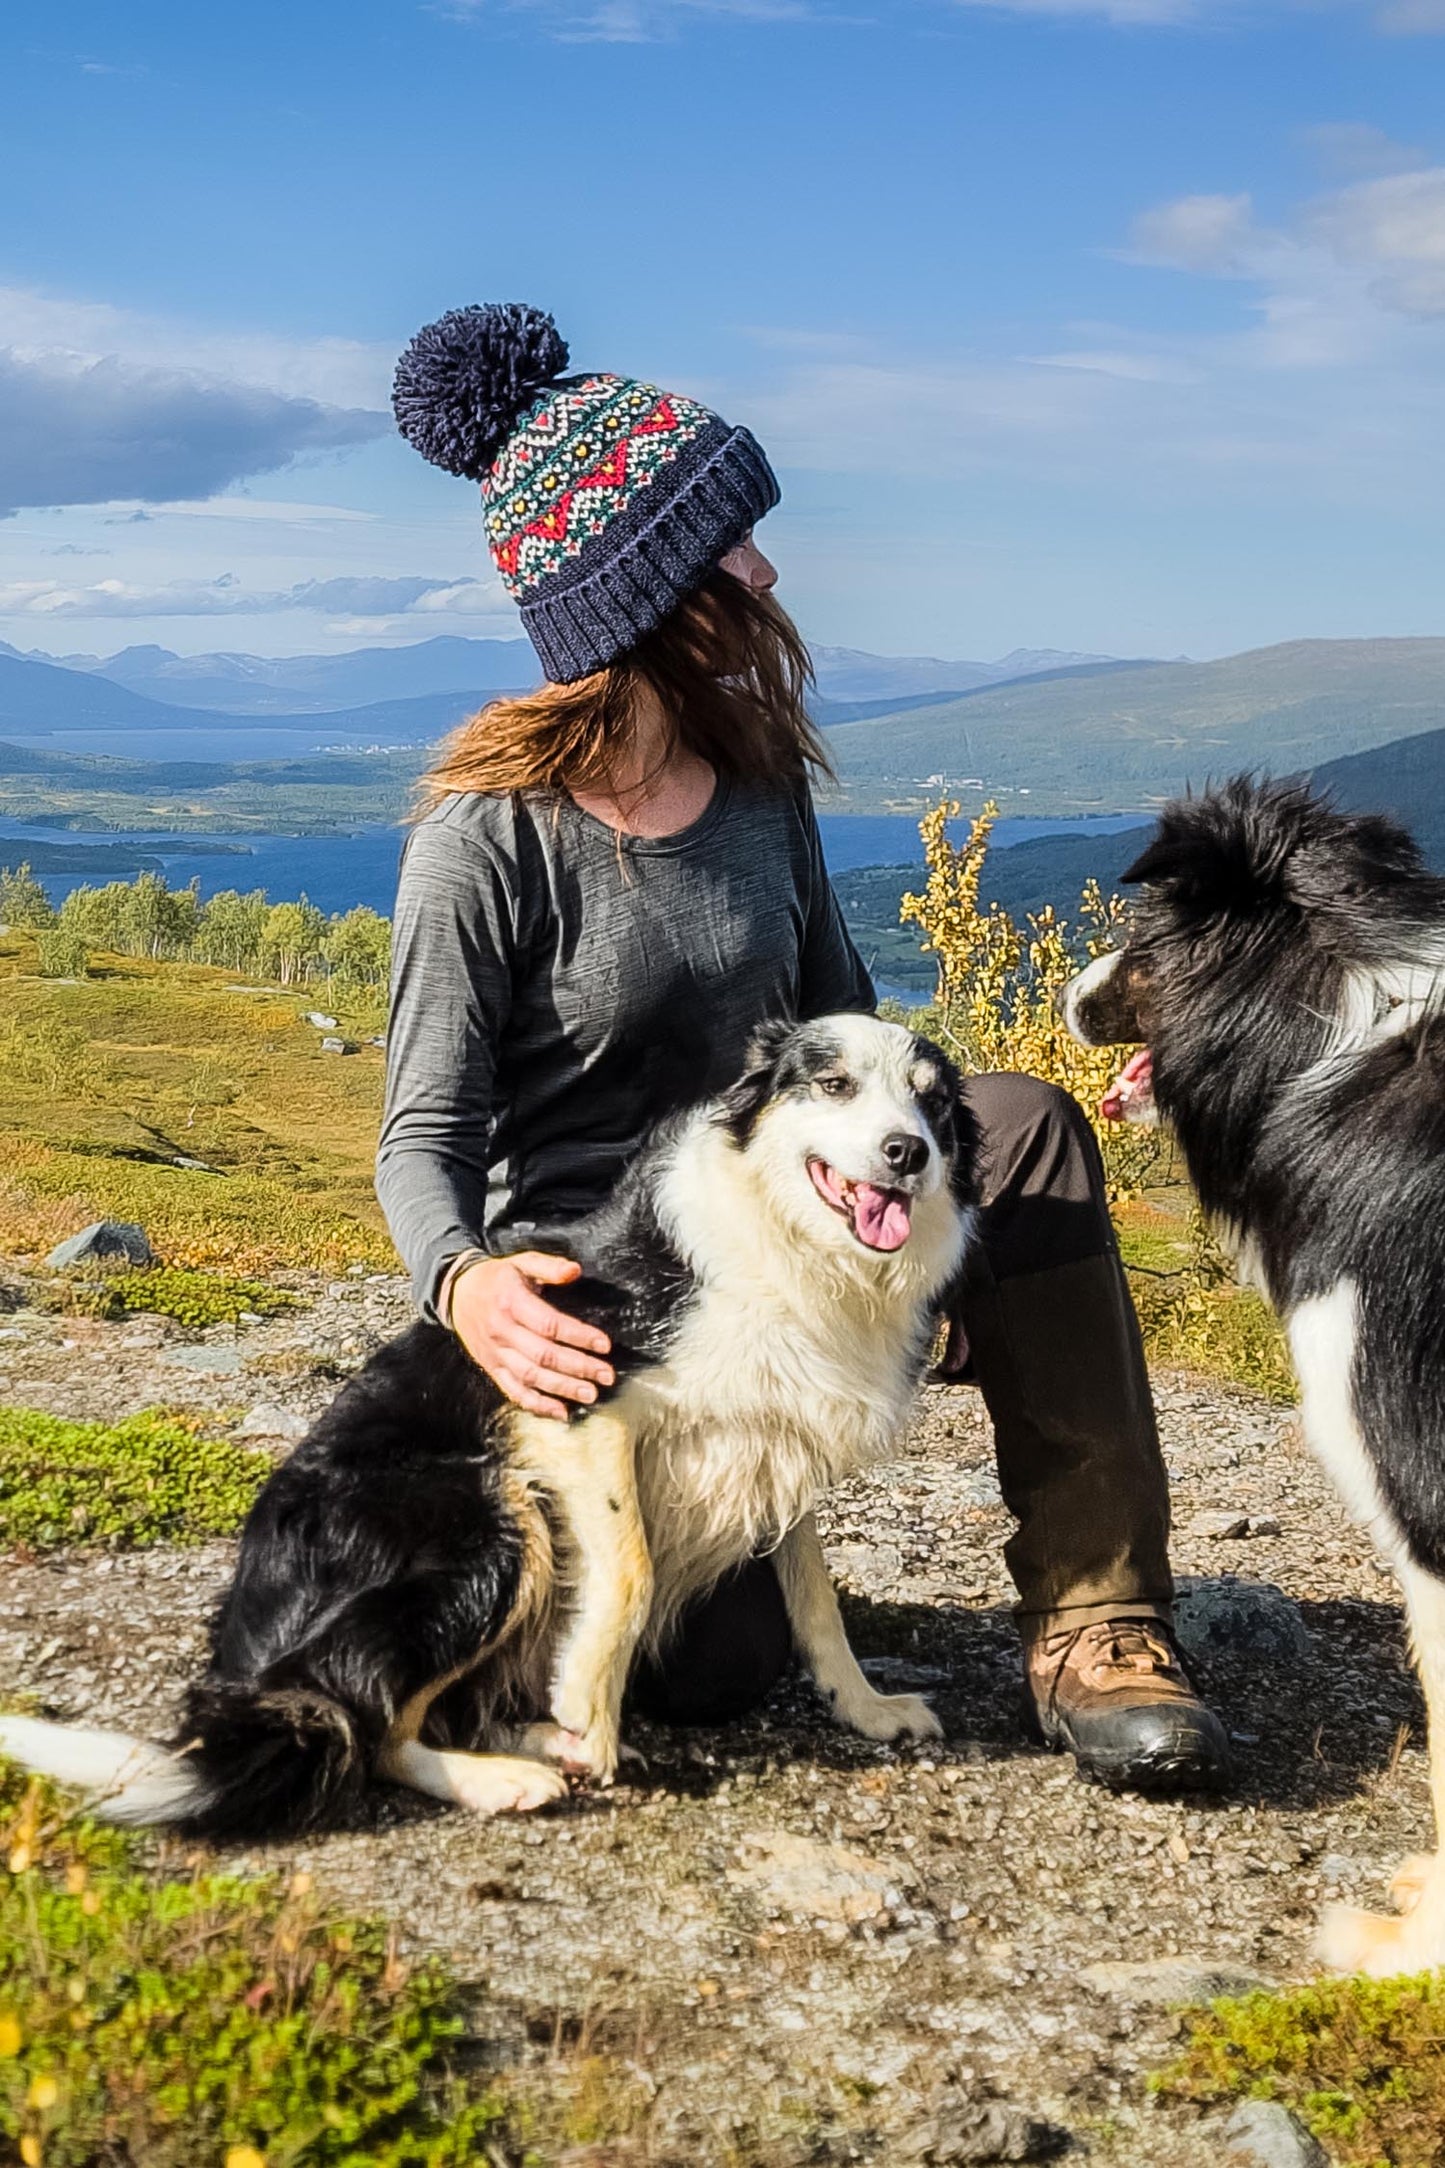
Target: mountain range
1077	736
303	685
1124	738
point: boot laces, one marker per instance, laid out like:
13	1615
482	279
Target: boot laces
1137	1646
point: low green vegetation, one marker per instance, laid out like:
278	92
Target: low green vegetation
205	2021
166	1093
150	1478
193	1299
1359	2061
1192	1313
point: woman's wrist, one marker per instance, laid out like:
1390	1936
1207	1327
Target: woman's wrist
446	1293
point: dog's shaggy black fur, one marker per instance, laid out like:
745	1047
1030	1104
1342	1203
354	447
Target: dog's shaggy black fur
1280	965
1286	966
383	1554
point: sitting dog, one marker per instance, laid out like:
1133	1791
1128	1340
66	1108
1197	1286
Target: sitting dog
1285	968
440	1589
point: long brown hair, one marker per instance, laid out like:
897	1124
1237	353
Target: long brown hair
729	669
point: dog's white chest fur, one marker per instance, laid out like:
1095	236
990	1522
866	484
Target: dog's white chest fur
768	1396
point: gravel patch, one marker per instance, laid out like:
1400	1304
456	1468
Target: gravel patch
788	1939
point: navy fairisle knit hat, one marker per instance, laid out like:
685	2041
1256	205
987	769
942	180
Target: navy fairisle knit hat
606	501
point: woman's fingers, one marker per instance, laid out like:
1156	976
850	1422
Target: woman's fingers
525	1351
542	1265
542	1359
533	1315
524	1396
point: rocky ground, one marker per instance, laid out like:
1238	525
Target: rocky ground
780	1944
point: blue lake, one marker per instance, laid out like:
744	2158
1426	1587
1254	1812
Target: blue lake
339	871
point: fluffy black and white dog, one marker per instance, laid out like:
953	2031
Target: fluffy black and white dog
442	1590
1286	969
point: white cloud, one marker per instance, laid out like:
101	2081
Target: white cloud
358	597
98	403
79	431
1393	227
1125	14
1131	367
1412	18
1351	149
1328	385
1195	233
261	511
335	372
639	22
635	22
1377	245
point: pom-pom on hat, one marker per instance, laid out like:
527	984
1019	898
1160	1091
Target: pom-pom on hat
606	501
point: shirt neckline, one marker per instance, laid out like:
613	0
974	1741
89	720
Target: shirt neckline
681	839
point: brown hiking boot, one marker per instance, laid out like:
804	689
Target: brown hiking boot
1116	1696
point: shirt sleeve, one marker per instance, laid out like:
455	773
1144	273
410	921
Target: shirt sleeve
453	951
834	977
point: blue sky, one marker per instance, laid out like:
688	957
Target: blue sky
1103	324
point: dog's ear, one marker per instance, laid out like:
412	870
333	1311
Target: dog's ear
742	1103
1231	847
1160	863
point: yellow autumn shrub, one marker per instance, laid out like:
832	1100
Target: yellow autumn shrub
997	1001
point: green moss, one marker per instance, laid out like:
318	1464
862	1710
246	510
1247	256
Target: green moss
194	1299
1359	2061
168	2023
151	1478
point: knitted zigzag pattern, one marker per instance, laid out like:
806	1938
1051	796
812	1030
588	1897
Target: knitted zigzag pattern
572	464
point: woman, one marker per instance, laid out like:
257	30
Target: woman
614	880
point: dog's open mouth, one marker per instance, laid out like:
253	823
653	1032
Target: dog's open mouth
880	1218
1130	1098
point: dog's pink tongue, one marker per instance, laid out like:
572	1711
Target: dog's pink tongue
880	1217
1135	1077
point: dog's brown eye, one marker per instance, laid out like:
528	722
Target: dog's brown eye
836	1087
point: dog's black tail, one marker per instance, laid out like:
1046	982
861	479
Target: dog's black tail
250	1762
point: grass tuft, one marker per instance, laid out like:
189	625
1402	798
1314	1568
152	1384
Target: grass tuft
194	1299
1360	2062
168	2024
151	1478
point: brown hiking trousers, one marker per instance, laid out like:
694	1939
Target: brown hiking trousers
1044	1326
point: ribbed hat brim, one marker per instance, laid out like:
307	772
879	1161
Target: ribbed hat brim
581	623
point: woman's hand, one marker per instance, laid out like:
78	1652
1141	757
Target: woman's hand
540	1357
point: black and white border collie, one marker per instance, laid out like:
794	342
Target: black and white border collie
439	1589
1286	969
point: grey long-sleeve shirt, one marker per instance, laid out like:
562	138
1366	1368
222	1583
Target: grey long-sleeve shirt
557	989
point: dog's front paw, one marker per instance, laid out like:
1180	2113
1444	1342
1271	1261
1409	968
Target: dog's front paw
1350	1940
597	1754
590	1747
891	1716
1411	1879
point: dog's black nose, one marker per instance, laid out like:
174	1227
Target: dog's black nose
904	1153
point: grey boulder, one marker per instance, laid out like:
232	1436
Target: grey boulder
1262	2134
103	1238
1226	1617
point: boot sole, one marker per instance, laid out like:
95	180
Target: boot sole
1188	1768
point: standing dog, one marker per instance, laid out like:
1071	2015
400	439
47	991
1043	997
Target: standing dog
440	1589
1286	967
